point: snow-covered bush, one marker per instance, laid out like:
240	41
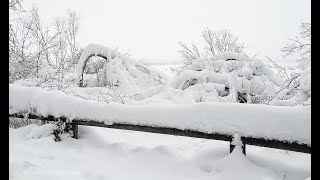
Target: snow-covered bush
119	71
301	93
228	77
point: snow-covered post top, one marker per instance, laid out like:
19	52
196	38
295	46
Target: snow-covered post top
89	51
236	143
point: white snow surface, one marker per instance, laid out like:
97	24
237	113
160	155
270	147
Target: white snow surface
270	122
102	153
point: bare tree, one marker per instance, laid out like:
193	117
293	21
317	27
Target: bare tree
301	44
21	63
20	46
223	41
66	51
15	6
72	30
215	42
42	35
34	46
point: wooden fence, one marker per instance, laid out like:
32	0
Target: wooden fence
256	141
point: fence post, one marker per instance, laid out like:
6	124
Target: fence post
243	148
75	130
236	141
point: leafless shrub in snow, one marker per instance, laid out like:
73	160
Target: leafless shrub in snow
215	42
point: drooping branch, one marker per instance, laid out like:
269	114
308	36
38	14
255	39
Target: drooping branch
85	64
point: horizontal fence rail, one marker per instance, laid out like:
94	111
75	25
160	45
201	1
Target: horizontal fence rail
256	141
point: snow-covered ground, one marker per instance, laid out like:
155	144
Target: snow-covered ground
102	153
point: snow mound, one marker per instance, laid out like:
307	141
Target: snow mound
237	166
41	131
33	131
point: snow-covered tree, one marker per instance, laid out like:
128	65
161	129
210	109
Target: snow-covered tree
44	52
300	45
300	92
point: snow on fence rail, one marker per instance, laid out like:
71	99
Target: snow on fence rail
270	126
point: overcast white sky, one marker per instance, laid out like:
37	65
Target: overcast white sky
152	29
